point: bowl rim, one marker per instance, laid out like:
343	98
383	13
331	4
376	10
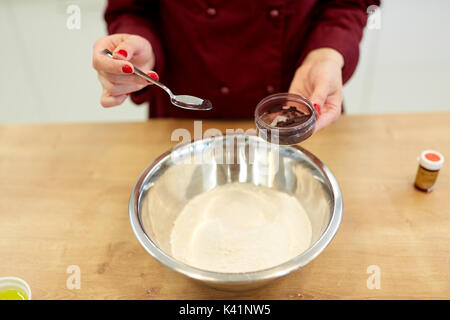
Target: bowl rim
244	277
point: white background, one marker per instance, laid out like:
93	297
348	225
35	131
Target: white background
46	73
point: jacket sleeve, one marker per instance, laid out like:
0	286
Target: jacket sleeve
339	25
137	17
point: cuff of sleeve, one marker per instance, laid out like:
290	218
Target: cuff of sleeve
339	39
133	24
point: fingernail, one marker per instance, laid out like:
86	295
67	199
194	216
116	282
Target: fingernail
317	107
127	69
123	53
153	75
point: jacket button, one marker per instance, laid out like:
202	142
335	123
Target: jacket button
224	90
211	12
274	13
270	89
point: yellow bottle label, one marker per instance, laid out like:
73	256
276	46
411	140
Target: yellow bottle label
425	179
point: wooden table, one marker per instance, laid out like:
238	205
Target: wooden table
64	193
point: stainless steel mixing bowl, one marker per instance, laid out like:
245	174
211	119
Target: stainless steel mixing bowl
190	169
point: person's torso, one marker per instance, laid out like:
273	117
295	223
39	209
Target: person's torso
233	53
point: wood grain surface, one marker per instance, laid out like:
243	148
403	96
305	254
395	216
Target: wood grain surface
64	193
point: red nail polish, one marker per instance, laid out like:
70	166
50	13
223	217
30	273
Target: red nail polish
153	75
317	107
127	69
123	53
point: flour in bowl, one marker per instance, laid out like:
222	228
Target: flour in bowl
240	227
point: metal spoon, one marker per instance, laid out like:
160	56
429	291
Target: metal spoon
181	101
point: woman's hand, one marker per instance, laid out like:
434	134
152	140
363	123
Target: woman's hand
319	79
116	75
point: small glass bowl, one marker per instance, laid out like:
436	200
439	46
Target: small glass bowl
290	134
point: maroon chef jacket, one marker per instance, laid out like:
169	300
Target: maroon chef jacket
235	52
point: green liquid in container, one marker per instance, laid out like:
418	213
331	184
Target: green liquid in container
12	294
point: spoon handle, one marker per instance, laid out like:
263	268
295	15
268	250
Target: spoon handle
142	74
